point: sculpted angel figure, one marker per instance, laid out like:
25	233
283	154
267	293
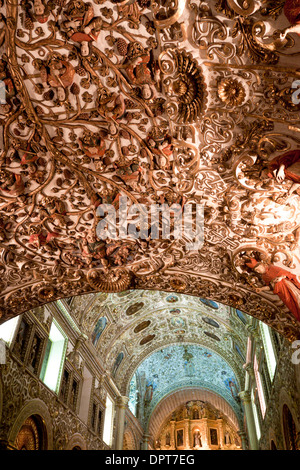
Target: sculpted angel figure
11	183
39	12
57	73
111	105
93	145
137	69
81	25
286	167
161	145
292	13
282	282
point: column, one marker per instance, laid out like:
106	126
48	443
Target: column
187	434
173	442
221	432
121	405
205	439
246	399
145	442
243	437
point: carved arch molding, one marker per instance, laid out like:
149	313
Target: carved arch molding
161	102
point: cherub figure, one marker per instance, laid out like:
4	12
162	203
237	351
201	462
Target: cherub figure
93	145
286	167
39	237
81	25
161	145
57	73
111	105
137	69
11	183
93	249
38	12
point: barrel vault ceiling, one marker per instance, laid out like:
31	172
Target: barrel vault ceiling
136	333
167	101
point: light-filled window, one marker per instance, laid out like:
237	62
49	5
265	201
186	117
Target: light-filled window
269	349
260	390
255	413
54	357
133	395
108	421
7	330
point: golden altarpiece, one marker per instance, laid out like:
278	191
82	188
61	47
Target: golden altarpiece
197	425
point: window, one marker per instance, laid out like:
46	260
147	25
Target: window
54	357
108	421
22	339
63	395
269	349
133	395
261	396
256	418
96	418
7	330
99	424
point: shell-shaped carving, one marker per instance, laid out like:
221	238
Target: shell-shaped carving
189	87
113	281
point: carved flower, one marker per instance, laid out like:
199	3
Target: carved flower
46	292
231	92
87	98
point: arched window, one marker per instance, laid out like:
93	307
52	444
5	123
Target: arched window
289	429
108	421
32	435
269	349
54	357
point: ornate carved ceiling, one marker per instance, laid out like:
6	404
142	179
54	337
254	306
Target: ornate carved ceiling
159	101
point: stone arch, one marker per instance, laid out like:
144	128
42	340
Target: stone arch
175	399
253	304
36	408
129	442
76	442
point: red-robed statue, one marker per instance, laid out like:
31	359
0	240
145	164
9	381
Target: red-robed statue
292	13
283	283
286	167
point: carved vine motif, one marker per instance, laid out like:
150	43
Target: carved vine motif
159	102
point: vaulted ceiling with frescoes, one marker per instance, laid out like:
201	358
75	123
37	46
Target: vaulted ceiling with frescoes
161	102
186	366
154	344
138	332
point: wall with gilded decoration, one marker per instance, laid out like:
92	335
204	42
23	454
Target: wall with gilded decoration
285	392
